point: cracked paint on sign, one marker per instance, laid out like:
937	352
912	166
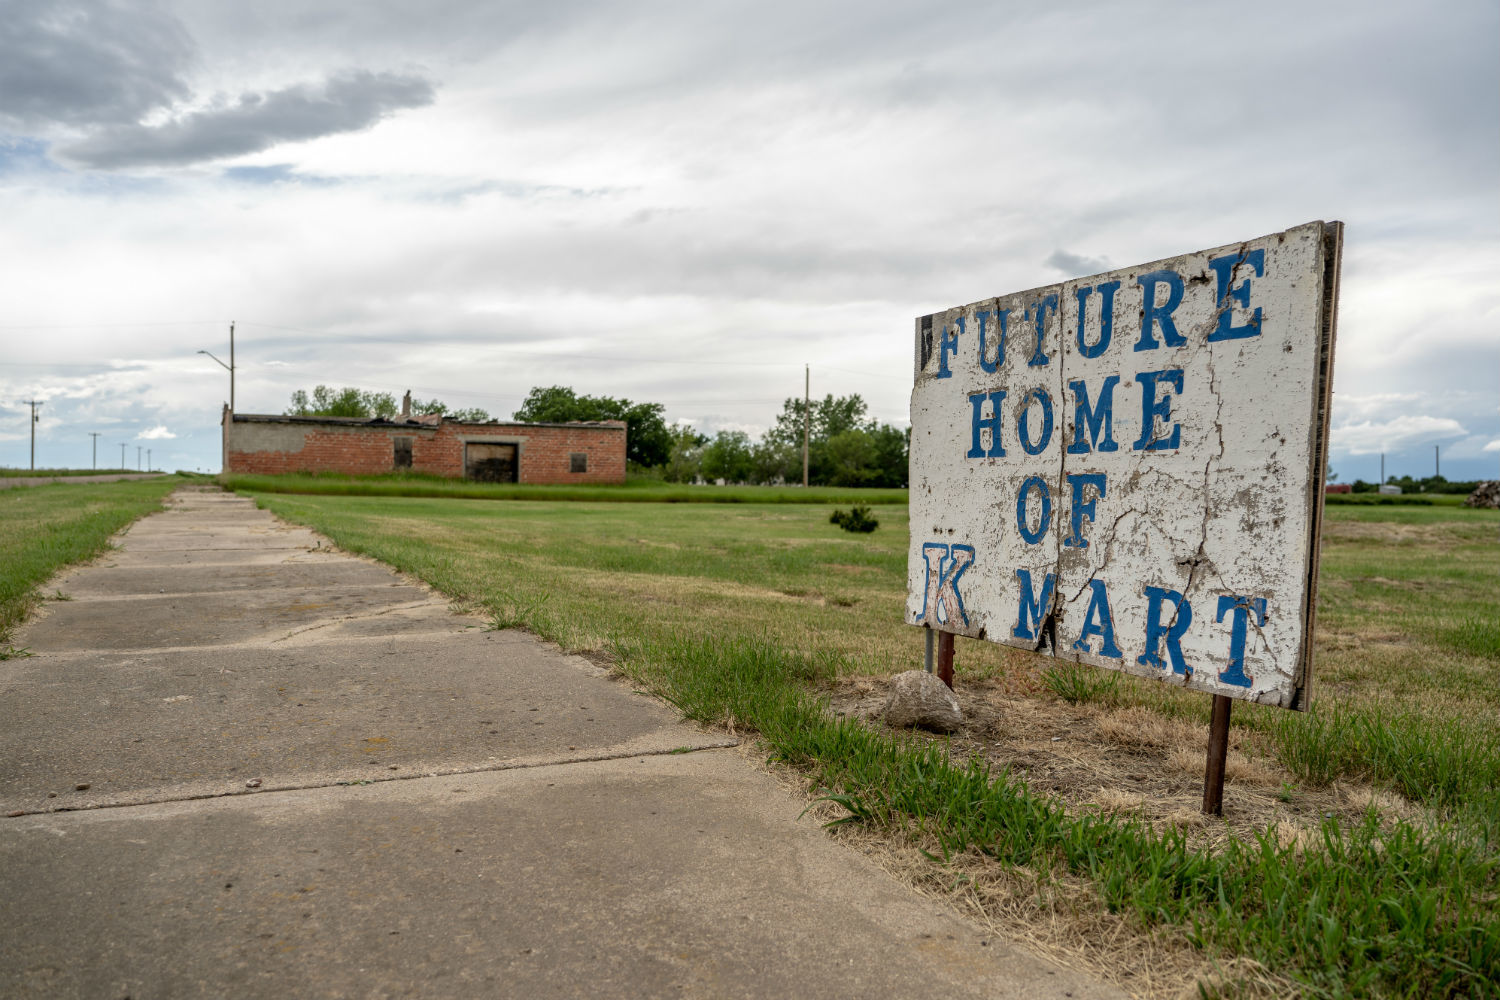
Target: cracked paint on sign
1126	470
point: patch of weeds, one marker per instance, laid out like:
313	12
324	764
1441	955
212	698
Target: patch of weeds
1432	761
12	653
1080	684
58	595
516	609
680	750
1288	792
856	518
1475	636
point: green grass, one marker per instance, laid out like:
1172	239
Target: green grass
737	615
52	473
416	484
44	528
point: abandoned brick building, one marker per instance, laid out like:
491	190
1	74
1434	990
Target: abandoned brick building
490	452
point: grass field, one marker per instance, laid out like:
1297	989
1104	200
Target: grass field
43	528
636	490
52	473
1367	865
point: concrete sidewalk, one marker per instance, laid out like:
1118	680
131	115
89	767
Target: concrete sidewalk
239	764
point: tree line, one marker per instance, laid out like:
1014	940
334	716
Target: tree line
846	447
327	401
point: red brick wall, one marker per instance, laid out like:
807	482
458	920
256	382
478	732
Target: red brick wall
272	448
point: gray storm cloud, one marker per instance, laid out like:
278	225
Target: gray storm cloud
347	102
86	64
1076	264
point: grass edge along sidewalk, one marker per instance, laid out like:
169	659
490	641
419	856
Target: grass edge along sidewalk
635	491
1369	909
48	527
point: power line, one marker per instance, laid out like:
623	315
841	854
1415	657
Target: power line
103	326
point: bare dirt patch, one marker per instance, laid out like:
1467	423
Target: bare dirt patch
1384	531
1130	761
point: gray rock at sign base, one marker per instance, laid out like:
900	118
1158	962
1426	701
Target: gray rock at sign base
920	699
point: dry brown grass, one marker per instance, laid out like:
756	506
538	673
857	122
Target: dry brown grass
1131	761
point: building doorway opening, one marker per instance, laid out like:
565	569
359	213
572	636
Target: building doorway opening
491	463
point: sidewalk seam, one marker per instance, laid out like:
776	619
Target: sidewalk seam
441	773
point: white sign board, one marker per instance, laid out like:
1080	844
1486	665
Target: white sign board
1127	470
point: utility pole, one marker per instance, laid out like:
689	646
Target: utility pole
806	416
148	459
229	367
95	435
33	403
122	456
137	458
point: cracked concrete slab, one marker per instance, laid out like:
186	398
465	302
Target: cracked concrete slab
240	767
158	724
677	876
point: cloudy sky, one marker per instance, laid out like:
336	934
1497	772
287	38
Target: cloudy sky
687	202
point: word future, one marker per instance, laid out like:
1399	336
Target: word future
1126	469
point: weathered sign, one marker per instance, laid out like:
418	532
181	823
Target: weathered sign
1126	470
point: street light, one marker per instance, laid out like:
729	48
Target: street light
229	367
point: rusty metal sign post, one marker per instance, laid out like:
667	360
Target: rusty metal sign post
1126	470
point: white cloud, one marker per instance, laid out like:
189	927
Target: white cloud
157	433
1349	406
1492	446
1470	447
1369	438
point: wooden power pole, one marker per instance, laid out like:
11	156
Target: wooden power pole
33	403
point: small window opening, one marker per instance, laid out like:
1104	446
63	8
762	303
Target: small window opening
403	452
578	462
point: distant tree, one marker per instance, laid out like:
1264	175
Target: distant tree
349	401
892	447
775	463
327	401
424	407
686	455
729	457
845	447
648	442
849	459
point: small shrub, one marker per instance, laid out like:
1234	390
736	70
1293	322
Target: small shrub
856	518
